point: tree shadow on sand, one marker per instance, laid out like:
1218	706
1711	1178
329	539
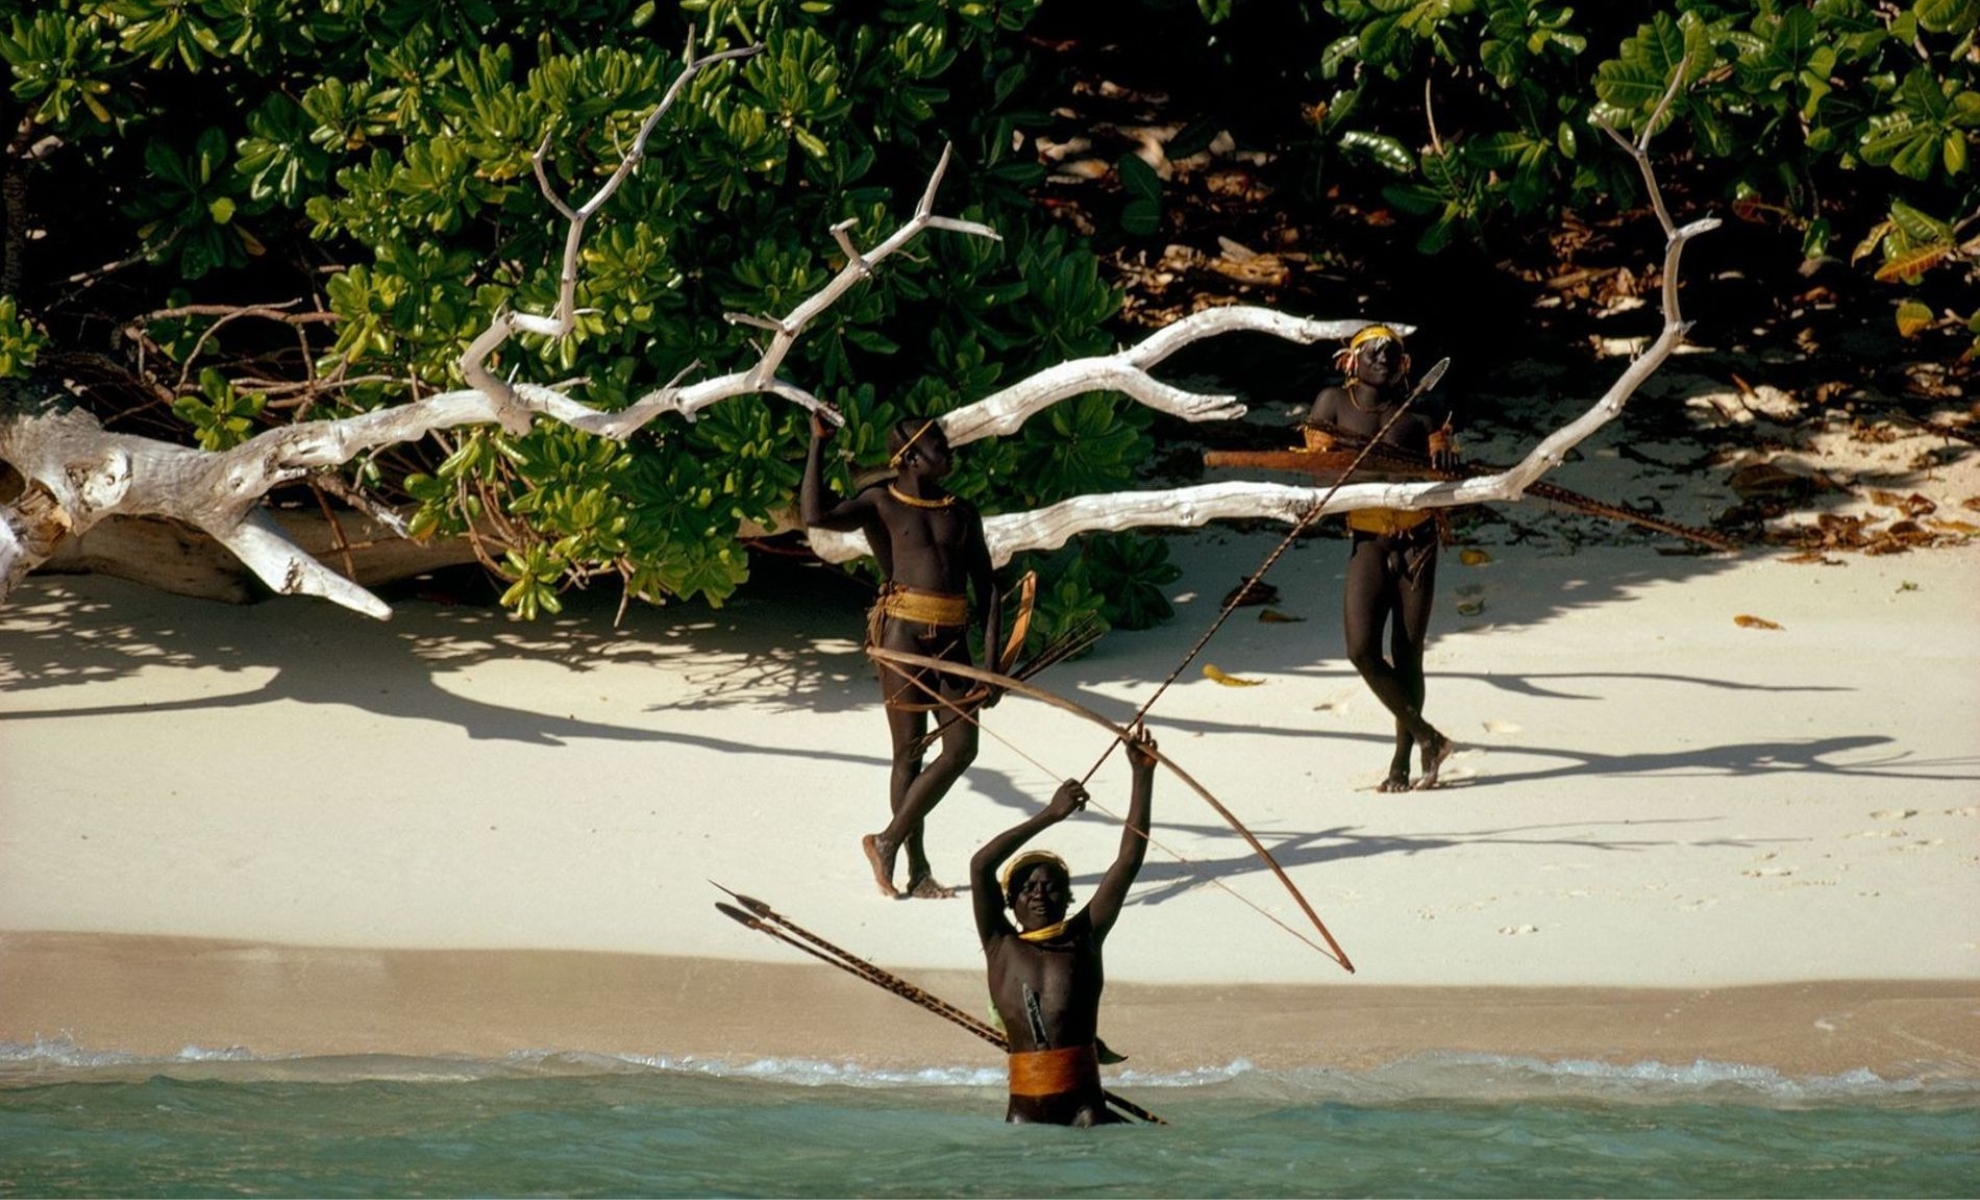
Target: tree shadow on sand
62	633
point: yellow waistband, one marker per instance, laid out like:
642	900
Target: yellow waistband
1054	1072
932	608
1386	520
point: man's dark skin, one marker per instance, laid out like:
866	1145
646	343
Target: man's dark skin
1061	976
923	538
1391	578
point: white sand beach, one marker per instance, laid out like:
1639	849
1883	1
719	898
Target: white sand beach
1667	835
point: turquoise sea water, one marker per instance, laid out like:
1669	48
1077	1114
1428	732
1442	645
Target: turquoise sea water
205	1124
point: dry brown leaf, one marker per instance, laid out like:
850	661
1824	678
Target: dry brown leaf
1214	672
1947	525
1813	558
1273	616
1764	480
1251	591
1749	621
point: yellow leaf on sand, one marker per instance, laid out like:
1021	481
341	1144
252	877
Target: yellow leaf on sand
1273	616
1749	621
1212	671
1471	556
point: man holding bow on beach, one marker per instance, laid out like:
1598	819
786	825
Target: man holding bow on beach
930	547
1392	560
1045	973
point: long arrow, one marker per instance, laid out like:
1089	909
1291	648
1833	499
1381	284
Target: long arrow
761	917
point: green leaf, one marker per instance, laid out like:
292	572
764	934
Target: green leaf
1382	148
1957	17
1139	179
1919	227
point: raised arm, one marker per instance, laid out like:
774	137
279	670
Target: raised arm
843	517
1444	453
1105	907
984	891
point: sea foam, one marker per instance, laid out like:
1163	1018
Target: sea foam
1445	1076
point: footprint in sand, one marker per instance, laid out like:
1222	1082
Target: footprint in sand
1968	810
1516	930
1766	872
1503	727
1881	833
1893	814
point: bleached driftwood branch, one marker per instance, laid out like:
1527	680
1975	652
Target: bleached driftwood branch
1052	526
1004	412
79	473
510	408
784	331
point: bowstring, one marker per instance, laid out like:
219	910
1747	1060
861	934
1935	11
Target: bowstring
970	716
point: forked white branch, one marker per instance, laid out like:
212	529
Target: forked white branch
1050	527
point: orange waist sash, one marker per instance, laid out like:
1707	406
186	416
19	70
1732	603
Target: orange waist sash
1055	1072
932	608
1386	521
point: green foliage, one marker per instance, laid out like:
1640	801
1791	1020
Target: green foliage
221	417
1474	116
393	140
1114	579
20	341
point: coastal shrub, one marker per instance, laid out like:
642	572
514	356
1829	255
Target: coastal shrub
1845	123
375	158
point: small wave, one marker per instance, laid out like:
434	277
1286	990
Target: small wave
1466	1076
1448	1076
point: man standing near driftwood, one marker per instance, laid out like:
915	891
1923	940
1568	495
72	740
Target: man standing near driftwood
929	544
1392	559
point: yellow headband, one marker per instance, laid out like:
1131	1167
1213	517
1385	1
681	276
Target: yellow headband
900	454
1369	333
1032	858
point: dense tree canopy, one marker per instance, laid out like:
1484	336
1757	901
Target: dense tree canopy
369	162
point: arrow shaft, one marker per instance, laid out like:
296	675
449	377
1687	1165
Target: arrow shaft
854	965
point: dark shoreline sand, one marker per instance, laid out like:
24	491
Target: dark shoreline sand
154	997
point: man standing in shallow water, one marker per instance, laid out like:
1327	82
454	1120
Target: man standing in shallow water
1045	973
1392	560
930	546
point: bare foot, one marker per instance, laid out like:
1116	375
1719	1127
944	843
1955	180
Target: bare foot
883	871
1394	783
924	887
1434	754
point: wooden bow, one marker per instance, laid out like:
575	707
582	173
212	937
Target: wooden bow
901	659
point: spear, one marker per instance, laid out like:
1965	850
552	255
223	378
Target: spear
764	919
1429	380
